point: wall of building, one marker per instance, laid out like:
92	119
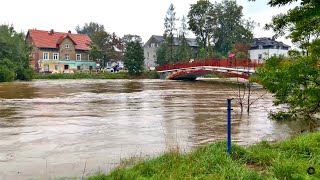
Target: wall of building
150	56
254	54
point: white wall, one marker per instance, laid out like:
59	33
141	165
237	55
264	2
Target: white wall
149	61
254	54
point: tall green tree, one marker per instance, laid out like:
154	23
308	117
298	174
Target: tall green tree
104	45
220	25
203	22
184	52
170	29
233	28
15	55
90	29
134	58
161	54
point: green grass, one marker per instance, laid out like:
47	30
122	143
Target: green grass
106	75
289	159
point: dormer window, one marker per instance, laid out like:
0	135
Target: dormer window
275	47
260	47
153	45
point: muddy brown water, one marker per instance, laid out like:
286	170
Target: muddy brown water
67	128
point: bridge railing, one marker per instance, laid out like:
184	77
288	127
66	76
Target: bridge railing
234	63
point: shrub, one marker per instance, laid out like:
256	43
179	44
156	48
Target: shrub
6	75
25	74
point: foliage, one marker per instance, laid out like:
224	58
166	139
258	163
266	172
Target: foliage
129	38
301	22
161	54
203	53
295	83
289	159
6	75
134	58
170	28
90	29
184	51
202	22
103	45
14	54
220	25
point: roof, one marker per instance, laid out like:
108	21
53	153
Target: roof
45	39
191	41
267	42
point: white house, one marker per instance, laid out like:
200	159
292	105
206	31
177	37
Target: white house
264	47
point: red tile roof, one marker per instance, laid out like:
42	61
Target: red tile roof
43	39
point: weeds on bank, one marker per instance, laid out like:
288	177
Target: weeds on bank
93	75
296	158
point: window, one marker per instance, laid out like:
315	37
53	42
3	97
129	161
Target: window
88	56
56	67
78	68
45	55
67	57
148	54
78	57
67	44
153	45
55	56
259	56
260	47
90	68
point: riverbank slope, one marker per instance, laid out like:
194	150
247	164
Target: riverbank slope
295	158
93	75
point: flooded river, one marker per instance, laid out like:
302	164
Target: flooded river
67	128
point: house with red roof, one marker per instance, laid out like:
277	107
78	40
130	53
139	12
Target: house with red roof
59	52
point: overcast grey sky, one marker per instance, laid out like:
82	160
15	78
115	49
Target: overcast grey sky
141	17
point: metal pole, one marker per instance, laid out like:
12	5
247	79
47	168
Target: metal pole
229	125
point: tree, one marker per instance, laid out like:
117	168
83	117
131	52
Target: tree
14	55
184	51
232	27
220	25
104	44
90	29
134	58
301	22
170	28
202	22
161	54
295	81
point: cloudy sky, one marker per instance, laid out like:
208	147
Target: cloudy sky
141	17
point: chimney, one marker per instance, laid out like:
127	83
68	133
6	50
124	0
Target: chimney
69	32
51	31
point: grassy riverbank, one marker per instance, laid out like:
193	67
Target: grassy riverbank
106	75
295	158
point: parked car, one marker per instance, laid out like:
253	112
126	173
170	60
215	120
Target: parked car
108	69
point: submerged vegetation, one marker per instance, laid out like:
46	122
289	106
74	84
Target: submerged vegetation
296	158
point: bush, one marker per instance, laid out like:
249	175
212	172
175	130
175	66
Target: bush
25	74
6	75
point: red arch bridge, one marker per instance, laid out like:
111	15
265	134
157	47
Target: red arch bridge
191	70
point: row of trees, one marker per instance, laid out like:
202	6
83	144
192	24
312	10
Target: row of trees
219	28
107	46
295	81
14	55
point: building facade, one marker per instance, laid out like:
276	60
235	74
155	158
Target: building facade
262	48
59	52
154	42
